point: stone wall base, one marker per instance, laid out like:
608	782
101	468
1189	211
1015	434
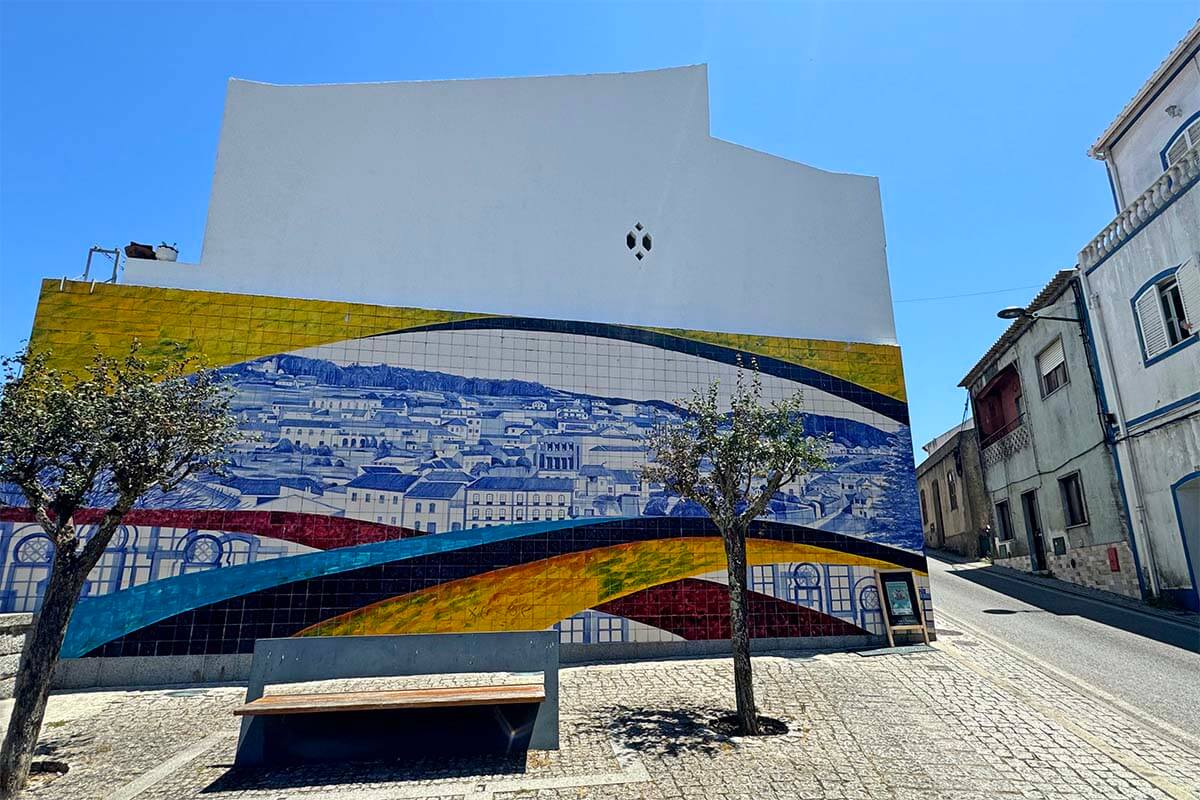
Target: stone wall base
147	671
13	628
1088	566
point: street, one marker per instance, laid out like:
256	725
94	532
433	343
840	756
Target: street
1142	659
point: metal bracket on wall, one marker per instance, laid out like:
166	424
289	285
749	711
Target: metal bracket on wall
113	255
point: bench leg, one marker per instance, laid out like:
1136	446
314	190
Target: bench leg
251	742
545	726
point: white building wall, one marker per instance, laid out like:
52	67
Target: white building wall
514	196
1135	157
1158	403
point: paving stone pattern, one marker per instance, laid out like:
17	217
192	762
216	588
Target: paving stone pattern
963	720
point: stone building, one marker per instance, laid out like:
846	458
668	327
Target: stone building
1047	468
954	507
1141	280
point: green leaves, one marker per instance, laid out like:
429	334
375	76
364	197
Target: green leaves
127	426
732	463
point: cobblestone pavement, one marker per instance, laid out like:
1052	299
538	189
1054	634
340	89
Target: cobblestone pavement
965	719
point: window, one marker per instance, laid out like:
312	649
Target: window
840	597
393	520
418	509
1173	314
1074	508
1184	139
366	498
1004	529
952	489
432	527
1167	310
924	508
395	499
490	498
520	497
1052	368
474	513
610	629
354	495
417	525
762	579
537	499
573	629
562	499
433	508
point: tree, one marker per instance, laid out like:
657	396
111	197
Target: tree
731	464
105	439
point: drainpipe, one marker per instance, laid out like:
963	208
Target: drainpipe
1121	444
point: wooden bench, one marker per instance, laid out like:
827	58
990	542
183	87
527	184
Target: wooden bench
492	717
392	699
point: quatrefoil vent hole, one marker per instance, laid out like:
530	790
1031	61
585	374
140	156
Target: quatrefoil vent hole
639	241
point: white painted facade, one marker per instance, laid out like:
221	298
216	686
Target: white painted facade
1141	266
1134	145
515	196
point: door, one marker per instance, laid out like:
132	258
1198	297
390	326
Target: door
1187	510
1033	529
937	515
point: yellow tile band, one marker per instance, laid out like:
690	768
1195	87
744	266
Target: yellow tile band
535	596
74	319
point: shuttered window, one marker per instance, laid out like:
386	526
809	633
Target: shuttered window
1168	311
1186	139
1188	278
1052	367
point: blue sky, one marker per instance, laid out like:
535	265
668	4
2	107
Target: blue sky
975	116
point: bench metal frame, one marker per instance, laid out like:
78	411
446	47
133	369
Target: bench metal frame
317	658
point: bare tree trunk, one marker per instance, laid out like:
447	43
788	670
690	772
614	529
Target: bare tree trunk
739	628
37	666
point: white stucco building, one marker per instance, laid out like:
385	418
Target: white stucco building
317	188
1141	280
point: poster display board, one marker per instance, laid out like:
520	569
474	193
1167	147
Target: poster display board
900	603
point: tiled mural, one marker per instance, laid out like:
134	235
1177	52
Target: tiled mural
411	471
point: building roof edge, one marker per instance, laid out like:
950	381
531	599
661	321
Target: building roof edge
1049	294
1181	52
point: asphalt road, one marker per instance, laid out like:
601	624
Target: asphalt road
1144	659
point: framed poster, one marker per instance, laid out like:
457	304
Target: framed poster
900	603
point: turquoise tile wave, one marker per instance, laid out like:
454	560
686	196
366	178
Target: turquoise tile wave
98	620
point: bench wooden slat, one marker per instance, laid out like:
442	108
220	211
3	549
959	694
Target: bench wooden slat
393	699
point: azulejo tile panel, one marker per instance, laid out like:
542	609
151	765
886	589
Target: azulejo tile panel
407	470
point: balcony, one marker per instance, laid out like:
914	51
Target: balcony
1170	185
1003	443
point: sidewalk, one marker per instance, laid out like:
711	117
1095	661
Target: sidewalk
964	719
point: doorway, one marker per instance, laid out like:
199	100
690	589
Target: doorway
1187	510
940	537
1033	529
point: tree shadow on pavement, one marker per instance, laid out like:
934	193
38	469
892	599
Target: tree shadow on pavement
666	732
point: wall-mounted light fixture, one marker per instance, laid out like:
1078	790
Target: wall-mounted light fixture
1016	312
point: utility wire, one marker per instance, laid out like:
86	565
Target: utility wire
969	294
